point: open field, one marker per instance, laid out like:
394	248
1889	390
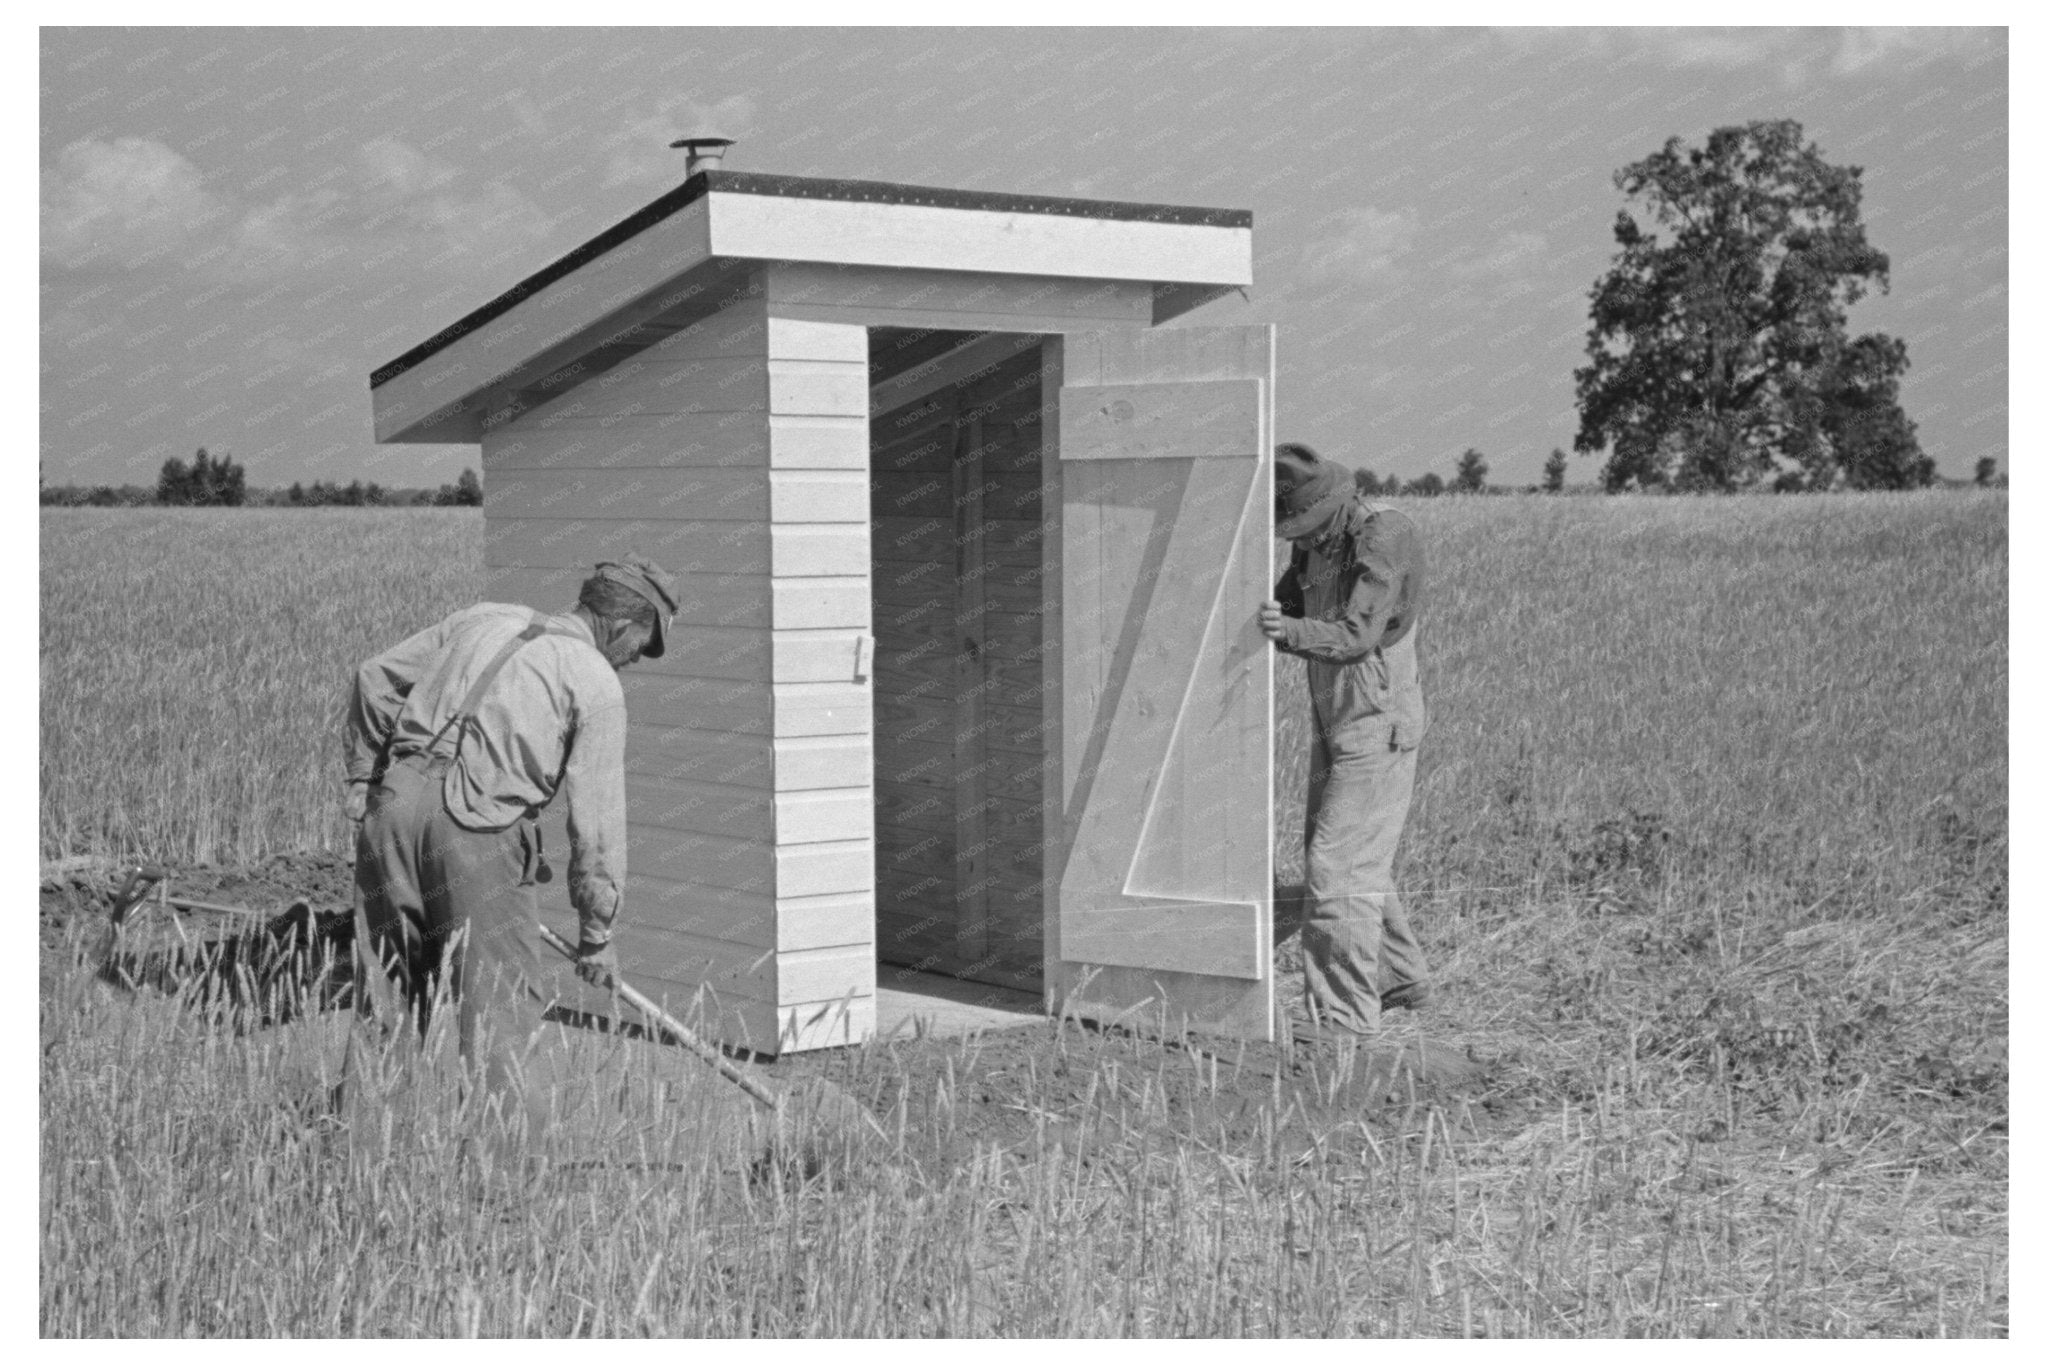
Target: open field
195	666
1709	850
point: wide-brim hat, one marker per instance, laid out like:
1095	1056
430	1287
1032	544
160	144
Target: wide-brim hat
1307	490
654	583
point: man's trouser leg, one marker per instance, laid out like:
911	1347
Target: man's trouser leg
1356	940
448	906
485	896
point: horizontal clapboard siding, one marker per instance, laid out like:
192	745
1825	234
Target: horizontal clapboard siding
670	454
750	864
682	547
593	442
798	817
741	920
693	494
822	671
829	1023
798	763
802	710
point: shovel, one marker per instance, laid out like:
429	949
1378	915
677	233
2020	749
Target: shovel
836	1111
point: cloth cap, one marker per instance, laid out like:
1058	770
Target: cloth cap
1307	490
652	582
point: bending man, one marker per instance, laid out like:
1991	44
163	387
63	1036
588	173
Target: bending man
1348	604
457	738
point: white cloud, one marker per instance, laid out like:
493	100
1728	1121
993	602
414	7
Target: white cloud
639	154
133	202
1515	254
415	195
1861	48
1361	244
1793	54
399	169
1723	49
127	203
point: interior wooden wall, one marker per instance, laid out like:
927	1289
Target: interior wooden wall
957	543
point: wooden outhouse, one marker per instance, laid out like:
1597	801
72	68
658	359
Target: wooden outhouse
967	678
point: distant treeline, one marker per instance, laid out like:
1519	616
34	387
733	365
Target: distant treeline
1470	477
210	481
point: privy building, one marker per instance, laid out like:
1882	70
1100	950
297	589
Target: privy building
967	678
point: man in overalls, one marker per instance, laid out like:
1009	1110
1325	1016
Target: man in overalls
456	738
1348	604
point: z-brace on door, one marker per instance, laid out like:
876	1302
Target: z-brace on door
1164	901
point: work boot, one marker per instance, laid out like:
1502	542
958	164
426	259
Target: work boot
1305	1030
1412	996
1328	1035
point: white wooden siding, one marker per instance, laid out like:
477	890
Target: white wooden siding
668	453
823	729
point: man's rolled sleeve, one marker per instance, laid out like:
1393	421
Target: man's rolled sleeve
381	687
1353	635
594	784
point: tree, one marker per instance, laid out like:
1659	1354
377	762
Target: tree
1553	471
466	491
1426	485
1873	442
1471	476
1987	470
174	483
1719	357
1368	482
207	482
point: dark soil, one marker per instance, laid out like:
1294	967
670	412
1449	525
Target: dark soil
288	954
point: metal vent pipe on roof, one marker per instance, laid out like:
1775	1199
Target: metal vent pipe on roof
704	152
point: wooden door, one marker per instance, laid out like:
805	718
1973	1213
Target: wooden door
1159	886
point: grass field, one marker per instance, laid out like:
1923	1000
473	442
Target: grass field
1709	850
195	667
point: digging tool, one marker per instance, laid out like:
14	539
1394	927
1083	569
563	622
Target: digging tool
133	888
143	878
833	1106
676	1029
140	879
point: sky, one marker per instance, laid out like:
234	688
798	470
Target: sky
237	226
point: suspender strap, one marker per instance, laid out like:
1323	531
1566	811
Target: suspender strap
482	685
466	712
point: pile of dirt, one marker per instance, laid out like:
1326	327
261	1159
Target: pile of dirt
76	895
326	881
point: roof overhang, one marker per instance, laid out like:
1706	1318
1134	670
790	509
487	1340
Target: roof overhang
699	248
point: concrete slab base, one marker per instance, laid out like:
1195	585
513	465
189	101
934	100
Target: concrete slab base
916	1005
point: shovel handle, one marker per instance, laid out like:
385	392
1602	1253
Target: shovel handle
675	1028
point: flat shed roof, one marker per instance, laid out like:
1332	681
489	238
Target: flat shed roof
736	216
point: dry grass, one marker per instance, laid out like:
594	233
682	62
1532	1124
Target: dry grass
1710	850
